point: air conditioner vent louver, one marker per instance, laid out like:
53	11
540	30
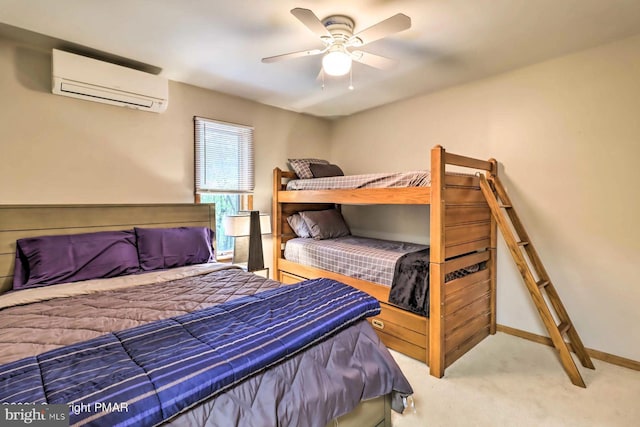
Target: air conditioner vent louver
92	80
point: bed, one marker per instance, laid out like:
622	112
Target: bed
369	259
401	266
462	234
167	320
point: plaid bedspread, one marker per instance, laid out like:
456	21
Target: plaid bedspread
159	369
364	258
372	180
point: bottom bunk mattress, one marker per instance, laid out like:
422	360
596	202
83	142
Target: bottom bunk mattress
373	260
402	266
78	340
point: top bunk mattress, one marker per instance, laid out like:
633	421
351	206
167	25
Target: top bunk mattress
372	180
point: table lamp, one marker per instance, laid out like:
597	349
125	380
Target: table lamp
247	228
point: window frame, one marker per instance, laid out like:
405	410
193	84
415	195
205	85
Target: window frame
246	197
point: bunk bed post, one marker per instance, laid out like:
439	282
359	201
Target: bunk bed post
493	266
276	218
435	357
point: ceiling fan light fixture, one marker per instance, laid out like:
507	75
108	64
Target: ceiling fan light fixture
336	32
336	63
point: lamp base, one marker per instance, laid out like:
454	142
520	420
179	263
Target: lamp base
256	258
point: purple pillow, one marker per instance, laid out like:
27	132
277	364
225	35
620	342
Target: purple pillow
160	248
48	260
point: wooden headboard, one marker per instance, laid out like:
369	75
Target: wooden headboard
17	222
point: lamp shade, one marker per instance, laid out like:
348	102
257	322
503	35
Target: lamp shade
240	224
336	62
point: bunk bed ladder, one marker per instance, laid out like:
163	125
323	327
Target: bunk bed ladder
536	278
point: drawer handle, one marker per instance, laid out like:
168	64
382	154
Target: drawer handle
377	323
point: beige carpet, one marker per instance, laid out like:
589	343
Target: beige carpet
509	381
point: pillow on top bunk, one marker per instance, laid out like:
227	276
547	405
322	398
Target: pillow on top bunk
301	166
160	248
326	224
320	170
49	260
299	226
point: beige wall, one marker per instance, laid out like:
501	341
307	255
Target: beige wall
55	149
567	135
565	131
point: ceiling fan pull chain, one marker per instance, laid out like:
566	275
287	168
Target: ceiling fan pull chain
351	79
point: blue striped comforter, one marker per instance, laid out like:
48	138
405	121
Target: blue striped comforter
146	375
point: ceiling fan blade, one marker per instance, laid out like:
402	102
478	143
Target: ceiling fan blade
394	24
375	61
311	21
293	55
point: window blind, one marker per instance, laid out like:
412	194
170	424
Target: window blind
224	157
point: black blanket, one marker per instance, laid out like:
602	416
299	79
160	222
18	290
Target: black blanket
410	286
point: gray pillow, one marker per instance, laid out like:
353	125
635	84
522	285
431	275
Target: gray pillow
326	224
301	166
321	171
298	225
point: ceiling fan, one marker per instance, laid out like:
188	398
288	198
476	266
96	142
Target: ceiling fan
341	44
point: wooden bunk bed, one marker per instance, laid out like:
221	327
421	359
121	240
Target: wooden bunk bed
462	233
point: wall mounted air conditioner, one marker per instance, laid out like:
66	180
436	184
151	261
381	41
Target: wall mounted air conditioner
85	78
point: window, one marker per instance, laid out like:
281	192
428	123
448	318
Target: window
226	204
224	171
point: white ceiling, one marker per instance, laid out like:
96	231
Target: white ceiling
218	44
